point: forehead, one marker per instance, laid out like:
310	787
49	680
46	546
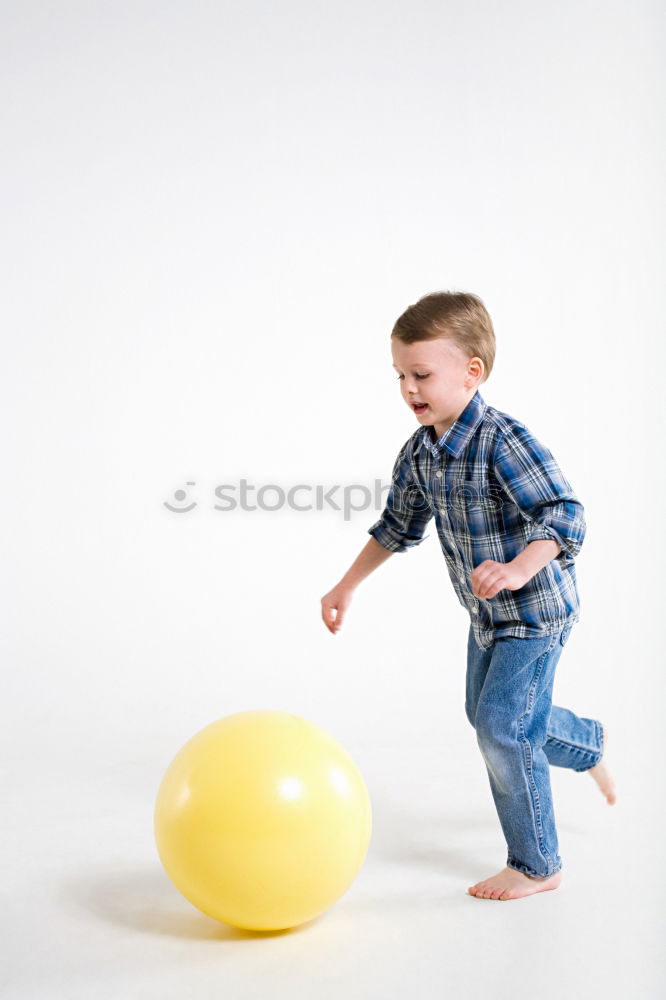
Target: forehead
425	352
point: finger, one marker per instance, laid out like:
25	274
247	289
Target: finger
489	586
327	615
494	588
481	583
484	568
332	617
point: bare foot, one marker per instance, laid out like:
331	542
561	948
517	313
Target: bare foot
512	884
602	775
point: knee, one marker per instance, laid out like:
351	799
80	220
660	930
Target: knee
470	712
488	729
485	740
497	757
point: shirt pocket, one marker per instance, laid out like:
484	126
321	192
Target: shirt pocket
472	506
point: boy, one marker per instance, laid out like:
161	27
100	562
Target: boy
510	526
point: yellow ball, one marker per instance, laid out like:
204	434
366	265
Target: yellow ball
262	820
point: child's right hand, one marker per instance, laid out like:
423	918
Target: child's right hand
334	607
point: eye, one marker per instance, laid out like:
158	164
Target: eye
422	376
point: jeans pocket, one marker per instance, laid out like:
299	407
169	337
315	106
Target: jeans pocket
565	633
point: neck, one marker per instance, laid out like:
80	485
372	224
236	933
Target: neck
438	431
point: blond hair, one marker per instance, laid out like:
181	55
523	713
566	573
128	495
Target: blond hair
461	316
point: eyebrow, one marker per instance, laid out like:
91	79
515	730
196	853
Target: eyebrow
424	365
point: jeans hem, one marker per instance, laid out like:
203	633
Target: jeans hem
530	871
599	729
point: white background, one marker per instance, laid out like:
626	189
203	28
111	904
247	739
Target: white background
213	213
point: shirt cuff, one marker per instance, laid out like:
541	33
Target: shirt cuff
394	543
569	548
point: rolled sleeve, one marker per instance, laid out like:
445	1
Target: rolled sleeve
532	479
407	510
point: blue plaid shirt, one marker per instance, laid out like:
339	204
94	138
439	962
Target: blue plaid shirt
492	488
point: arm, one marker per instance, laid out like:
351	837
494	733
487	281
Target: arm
407	510
401	526
490	576
369	558
535	556
336	602
531	478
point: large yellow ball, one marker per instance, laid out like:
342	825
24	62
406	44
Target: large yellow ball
262	820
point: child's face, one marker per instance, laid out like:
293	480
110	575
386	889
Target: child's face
440	375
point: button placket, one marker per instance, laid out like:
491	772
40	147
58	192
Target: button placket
444	510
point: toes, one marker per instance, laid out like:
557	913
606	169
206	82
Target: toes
484	891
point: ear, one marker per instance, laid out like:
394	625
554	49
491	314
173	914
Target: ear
475	368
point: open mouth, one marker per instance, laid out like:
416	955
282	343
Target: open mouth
419	407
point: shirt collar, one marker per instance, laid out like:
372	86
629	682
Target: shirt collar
459	433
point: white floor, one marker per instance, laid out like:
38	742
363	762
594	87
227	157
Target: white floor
89	912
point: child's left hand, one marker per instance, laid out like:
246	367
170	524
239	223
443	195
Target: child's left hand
489	577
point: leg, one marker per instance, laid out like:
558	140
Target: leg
601	773
511	720
572	741
478	661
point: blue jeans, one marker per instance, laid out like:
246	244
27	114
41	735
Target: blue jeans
520	733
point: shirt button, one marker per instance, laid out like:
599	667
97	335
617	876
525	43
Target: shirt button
474	611
439	473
